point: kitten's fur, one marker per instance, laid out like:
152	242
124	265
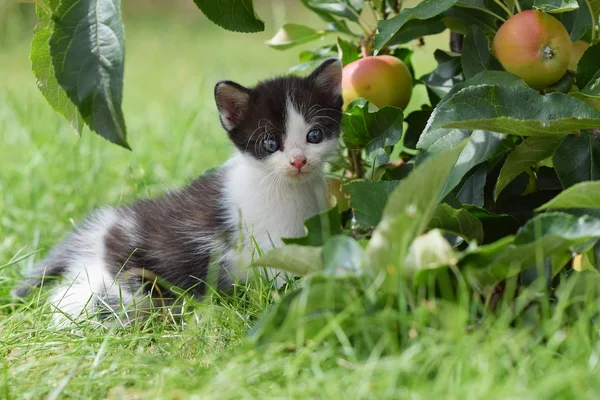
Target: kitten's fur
255	194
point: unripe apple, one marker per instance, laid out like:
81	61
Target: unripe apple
535	46
382	80
579	47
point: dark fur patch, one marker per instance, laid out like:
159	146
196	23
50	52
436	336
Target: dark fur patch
174	236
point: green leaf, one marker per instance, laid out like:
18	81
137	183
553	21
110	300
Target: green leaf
319	228
552	235
514	110
233	15
555	6
579	22
560	225
482	145
471	189
88	53
417	28
290	35
577	159
43	70
409	210
372	129
459	222
446	75
580	195
588	73
342	255
530	152
339	8
368	199
388	30
476	56
459	19
299	260
347	51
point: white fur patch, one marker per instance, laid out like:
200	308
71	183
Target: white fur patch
268	200
87	279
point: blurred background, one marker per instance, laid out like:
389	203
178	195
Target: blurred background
49	178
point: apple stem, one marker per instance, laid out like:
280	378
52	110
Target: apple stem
364	47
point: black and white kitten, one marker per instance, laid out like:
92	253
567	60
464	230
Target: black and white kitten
284	131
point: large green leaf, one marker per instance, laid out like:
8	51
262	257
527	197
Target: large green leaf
319	228
550	235
368	199
387	30
364	126
577	159
88	54
409	210
555	6
530	152
514	110
476	56
459	222
43	70
581	195
233	15
481	146
558	224
299	260
290	35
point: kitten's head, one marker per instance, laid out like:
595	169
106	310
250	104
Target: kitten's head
287	124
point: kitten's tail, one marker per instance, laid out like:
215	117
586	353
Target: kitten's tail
53	266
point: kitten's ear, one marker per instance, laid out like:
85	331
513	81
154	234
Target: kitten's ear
328	76
232	102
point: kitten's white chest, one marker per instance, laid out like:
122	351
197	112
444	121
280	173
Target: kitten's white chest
268	209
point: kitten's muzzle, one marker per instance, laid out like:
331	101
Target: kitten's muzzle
298	162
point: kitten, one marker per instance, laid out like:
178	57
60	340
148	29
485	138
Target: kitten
284	131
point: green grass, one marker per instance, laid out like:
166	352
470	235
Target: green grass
49	179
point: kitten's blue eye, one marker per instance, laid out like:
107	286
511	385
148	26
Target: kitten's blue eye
271	145
314	136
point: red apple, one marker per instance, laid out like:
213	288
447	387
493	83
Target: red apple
382	80
535	46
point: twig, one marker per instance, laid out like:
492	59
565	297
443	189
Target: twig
518	5
503	6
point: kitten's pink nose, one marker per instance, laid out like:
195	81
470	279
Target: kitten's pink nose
298	162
